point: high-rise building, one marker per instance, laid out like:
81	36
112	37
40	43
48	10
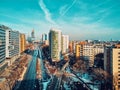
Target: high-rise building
33	35
55	44
12	43
44	37
22	42
65	43
77	51
2	44
112	64
2	48
45	40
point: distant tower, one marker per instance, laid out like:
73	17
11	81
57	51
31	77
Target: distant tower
44	37
33	35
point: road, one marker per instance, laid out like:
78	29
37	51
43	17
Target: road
43	68
52	84
29	81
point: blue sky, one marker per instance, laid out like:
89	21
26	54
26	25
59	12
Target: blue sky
80	19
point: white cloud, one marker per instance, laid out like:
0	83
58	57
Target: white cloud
80	30
67	8
46	11
62	9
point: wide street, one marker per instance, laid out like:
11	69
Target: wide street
29	81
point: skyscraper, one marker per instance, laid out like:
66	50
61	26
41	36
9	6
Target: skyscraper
44	37
65	43
55	44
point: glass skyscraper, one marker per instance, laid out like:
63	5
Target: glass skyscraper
55	44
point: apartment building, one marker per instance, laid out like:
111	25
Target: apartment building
87	51
98	48
112	64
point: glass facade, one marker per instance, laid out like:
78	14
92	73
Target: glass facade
2	45
55	44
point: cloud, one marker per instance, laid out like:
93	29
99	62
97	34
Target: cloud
46	12
80	30
67	9
62	9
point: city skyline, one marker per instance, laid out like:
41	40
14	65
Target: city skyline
80	19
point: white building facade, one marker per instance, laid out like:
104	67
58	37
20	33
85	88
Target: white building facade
12	43
65	43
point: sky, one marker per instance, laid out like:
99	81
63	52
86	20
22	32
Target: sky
80	19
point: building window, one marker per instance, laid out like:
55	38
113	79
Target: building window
118	82
118	78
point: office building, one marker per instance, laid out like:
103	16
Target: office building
44	37
3	64
12	43
55	44
45	40
2	44
65	43
22	43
